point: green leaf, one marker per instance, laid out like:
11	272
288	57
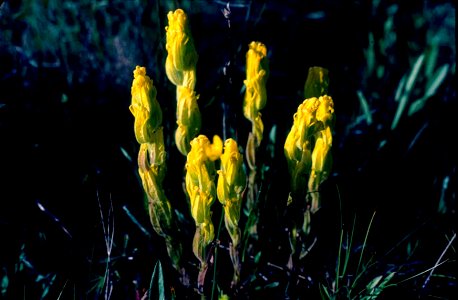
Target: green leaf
257	257
400	88
404	98
414	73
324	292
438	78
374	282
157	283
272	285
377	285
4	285
126	154
267	286
365	107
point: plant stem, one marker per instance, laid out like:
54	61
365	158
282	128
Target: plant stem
216	255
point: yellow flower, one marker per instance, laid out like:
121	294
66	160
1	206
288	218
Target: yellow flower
182	56
214	150
325	111
188	118
200	186
144	106
307	146
321	166
257	72
232	175
298	145
231	184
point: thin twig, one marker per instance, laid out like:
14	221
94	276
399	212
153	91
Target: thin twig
438	260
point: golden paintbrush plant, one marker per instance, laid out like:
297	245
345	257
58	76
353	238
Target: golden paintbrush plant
180	67
231	185
307	147
200	186
151	159
182	57
257	72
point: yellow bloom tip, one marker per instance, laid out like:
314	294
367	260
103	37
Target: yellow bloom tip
139	71
259	48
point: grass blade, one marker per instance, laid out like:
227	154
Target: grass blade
363	248
157	283
408	87
365	107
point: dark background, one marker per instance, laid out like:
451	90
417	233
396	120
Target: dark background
68	151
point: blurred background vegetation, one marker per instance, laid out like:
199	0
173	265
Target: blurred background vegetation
69	183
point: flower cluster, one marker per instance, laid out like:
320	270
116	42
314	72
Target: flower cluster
307	150
307	147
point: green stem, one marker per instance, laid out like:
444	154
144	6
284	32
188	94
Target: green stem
216	255
338	262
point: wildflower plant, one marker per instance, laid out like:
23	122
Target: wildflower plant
230	190
307	147
308	152
201	189
255	99
152	159
212	173
257	73
180	67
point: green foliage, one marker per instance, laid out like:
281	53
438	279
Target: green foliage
157	289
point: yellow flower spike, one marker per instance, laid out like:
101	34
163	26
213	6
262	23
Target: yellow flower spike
257	72
152	158
189	119
200	186
297	145
144	106
182	56
232	178
180	67
308	143
231	185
